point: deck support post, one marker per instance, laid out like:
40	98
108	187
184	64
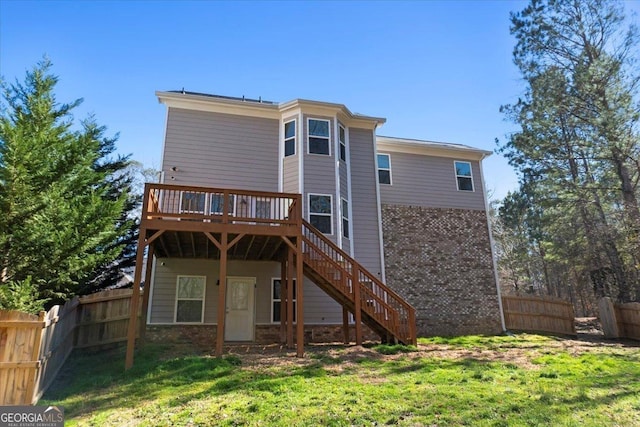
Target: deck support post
222	293
299	296
283	298
289	317
135	299
355	282
345	324
147	288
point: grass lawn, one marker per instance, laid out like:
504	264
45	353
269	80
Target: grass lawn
525	380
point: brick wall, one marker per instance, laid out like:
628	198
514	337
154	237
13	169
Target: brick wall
440	261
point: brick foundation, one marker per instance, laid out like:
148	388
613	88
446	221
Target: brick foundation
440	261
204	336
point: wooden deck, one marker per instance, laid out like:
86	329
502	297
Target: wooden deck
225	224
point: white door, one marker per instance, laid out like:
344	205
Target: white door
240	308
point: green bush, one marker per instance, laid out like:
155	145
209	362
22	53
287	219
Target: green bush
22	296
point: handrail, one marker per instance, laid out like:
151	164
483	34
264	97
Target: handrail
381	303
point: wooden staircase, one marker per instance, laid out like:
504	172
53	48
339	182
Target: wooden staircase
355	288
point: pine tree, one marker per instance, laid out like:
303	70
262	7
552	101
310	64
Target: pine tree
64	198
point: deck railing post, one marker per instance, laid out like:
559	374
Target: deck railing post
222	293
355	281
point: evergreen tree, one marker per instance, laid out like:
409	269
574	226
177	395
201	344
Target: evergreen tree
578	149
64	197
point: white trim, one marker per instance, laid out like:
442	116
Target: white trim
281	156
181	323
295	300
438	149
152	279
309	136
493	249
330	196
378	168
204	298
337	177
351	237
380	235
455	172
164	143
300	149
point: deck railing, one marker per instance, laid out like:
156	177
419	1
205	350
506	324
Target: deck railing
224	206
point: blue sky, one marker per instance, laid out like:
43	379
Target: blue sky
435	70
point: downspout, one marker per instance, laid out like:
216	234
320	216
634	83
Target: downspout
492	244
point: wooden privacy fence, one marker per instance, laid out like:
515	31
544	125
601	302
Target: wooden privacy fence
620	320
537	314
34	348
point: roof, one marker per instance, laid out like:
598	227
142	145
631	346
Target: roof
258	107
445	149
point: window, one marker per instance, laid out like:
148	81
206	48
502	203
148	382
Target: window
263	208
276	299
384	169
342	137
319	137
345	218
320	212
290	138
216	204
463	176
192	202
190	299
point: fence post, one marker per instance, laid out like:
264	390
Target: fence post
35	357
608	318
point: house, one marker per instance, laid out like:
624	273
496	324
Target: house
268	213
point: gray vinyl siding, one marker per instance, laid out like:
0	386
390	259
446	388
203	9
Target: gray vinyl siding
344	194
366	231
291	175
209	149
429	181
319	307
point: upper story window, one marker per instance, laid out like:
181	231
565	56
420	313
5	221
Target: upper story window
319	137
320	212
345	218
463	176
384	169
290	138
190	299
342	138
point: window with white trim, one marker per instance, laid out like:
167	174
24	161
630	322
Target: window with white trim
384	169
464	178
290	138
217	200
318	135
342	138
276	299
320	212
192	202
345	218
190	292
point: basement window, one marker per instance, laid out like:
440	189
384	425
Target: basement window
464	177
319	137
320	212
190	299
276	299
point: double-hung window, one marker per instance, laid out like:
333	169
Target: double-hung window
192	202
276	299
319	137
290	138
190	299
384	169
345	218
464	177
320	212
342	138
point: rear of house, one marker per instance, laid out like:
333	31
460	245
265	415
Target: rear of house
412	213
